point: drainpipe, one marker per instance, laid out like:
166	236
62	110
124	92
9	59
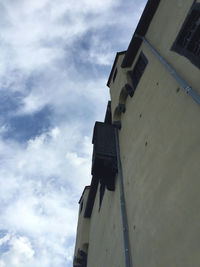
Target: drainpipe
171	70
122	203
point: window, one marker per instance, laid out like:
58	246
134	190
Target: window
115	74
187	42
138	70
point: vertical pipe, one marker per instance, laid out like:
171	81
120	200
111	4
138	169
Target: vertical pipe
122	203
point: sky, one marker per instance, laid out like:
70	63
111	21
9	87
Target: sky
55	59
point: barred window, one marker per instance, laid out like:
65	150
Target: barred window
187	42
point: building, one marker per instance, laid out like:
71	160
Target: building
142	207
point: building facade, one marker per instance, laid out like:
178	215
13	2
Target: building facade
142	207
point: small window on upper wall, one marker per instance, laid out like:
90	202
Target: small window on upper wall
187	42
138	70
115	74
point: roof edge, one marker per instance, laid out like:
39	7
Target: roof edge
141	29
91	197
85	188
113	67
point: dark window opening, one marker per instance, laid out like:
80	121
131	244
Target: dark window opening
187	42
115	74
81	259
138	70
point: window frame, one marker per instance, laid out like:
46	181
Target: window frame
185	50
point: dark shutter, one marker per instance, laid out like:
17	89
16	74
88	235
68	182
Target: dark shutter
138	70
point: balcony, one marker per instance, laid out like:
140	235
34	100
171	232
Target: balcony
104	161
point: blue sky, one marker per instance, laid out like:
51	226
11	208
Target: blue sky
55	59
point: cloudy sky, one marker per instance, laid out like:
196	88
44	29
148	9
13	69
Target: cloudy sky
55	59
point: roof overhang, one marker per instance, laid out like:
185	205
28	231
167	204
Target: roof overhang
141	30
86	187
91	197
113	67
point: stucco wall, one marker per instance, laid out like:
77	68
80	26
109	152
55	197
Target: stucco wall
160	158
82	235
163	31
106	242
160	154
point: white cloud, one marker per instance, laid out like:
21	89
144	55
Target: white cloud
40	187
22	249
55	133
4	239
19	254
38	35
2	263
33	103
31	26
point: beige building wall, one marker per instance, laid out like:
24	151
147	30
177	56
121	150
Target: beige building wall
160	158
160	155
82	235
106	238
163	31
